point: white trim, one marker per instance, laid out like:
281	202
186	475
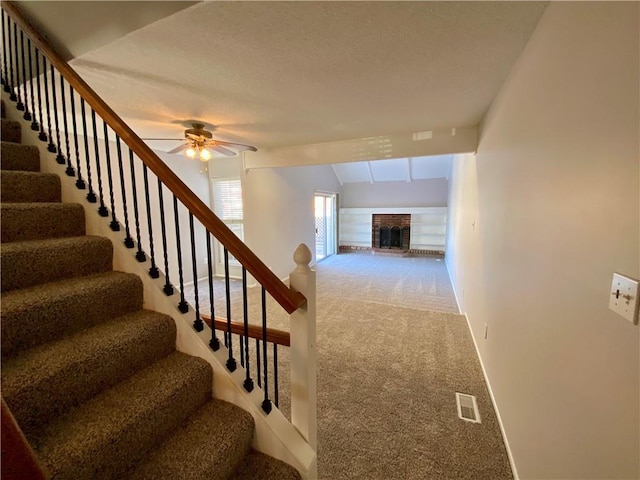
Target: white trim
512	462
188	284
514	470
455	293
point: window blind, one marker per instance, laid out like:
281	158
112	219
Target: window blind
227	200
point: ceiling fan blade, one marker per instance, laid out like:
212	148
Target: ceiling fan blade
239	146
179	149
222	150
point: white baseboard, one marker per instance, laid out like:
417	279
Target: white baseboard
455	294
514	470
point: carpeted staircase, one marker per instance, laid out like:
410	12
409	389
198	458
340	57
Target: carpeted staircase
93	379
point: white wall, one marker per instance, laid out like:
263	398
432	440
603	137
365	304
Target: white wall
553	193
279	211
189	172
418	193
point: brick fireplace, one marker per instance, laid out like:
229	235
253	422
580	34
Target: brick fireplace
391	231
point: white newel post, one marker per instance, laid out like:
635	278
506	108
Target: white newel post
303	349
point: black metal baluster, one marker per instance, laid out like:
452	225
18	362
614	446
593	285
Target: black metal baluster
80	185
198	324
153	270
214	343
91	196
231	362
128	241
12	77
50	147
102	210
248	382
69	171
5	78
168	288
259	369
114	225
27	113
183	306
275	375
19	84
59	158
42	136
266	403
241	347
34	124
140	256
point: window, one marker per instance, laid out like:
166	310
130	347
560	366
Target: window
227	205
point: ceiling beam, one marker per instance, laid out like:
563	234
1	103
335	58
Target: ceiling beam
335	170
442	142
370	172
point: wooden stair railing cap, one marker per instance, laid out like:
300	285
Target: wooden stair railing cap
287	298
279	337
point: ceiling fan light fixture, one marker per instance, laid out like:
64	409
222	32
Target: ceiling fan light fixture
191	152
205	155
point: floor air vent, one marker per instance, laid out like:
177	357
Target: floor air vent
467	407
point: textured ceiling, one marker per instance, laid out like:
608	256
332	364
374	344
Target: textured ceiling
277	74
74	29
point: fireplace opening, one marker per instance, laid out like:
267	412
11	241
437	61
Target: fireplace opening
390	237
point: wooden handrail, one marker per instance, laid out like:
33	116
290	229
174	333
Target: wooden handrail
18	460
279	337
287	298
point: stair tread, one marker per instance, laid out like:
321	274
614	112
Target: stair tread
43	312
34	262
208	445
41	220
74	368
108	434
22	186
95	379
258	466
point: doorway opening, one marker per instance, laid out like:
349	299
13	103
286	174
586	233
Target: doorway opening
325	215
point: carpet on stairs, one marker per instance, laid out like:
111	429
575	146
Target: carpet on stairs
93	380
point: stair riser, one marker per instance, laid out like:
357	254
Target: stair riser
99	364
219	431
39	315
136	424
24	266
19	157
11	131
38	221
18	186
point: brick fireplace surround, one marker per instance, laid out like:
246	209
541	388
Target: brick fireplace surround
401	222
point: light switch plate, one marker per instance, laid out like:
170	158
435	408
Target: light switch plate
623	298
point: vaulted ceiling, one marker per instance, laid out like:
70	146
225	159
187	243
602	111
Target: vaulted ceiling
282	74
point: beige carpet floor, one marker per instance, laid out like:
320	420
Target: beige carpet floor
392	352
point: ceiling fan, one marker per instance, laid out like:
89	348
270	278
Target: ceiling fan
198	141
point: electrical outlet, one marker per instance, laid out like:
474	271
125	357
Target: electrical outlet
624	297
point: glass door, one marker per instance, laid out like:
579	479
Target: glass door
325	216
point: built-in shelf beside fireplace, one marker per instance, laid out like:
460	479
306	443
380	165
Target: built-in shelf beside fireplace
428	227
